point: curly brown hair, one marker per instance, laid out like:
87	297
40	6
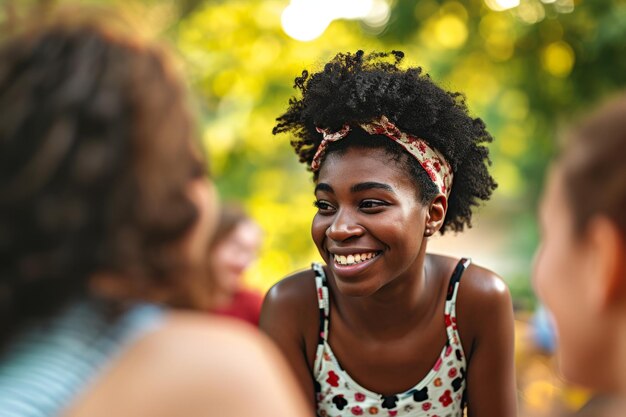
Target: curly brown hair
96	151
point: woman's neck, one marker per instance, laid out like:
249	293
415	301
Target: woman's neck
407	302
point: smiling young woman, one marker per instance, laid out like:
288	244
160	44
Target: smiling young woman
384	328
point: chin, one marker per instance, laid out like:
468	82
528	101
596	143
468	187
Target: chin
355	289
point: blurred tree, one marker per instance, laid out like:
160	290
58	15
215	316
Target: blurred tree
526	70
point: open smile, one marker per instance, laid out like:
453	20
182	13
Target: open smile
349	265
354	259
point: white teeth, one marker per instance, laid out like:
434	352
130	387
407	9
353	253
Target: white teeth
353	259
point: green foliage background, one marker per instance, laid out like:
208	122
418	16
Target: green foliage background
527	72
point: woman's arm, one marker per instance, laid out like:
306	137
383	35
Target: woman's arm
289	313
485	310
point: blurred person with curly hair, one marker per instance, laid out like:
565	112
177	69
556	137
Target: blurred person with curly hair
383	327
105	217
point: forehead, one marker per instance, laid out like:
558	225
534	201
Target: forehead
364	164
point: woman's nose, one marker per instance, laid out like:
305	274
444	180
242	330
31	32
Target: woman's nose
344	226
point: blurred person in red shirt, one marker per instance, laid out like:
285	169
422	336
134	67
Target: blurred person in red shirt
235	246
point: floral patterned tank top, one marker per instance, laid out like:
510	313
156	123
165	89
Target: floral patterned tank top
439	394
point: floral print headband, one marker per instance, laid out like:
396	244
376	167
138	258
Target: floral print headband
433	162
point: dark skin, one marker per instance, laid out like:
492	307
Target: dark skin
383	312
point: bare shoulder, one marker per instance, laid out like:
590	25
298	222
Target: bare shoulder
294	291
289	316
484	286
484	309
483	295
290	305
478	285
190	363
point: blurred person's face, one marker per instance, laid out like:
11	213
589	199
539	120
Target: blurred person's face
231	257
202	194
564	273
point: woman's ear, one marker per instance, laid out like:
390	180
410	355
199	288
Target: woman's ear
608	263
436	215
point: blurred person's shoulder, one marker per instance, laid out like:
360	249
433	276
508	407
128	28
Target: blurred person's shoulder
191	362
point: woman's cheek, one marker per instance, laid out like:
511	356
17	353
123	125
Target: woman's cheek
318	233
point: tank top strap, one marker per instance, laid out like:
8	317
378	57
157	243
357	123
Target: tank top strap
450	307
324	310
322	300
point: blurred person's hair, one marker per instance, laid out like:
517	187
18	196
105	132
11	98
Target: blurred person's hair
595	165
231	214
97	149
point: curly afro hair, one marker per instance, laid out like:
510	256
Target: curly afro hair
356	88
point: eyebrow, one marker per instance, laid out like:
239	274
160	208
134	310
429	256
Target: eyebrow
362	186
322	186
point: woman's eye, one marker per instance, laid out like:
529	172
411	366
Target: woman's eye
323	206
372	204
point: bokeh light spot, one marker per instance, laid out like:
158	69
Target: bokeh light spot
558	59
450	31
500	5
